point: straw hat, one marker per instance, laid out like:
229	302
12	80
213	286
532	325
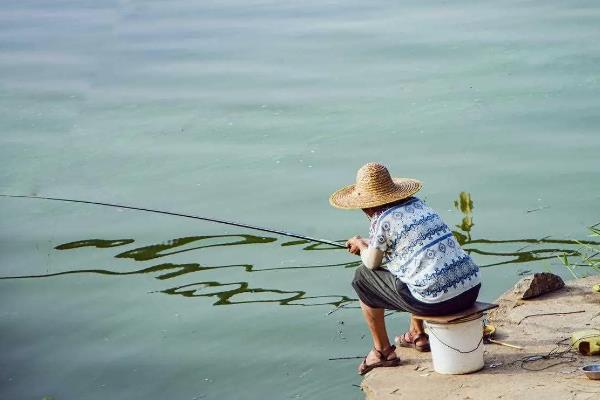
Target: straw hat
374	187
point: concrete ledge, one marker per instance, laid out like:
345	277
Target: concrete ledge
503	377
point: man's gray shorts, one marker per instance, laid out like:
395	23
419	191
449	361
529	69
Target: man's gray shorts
379	288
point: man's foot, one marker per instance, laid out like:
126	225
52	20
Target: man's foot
377	358
417	341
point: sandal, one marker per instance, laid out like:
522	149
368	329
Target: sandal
363	368
412	342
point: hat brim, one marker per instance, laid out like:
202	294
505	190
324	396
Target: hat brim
348	198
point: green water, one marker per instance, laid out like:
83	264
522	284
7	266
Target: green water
257	111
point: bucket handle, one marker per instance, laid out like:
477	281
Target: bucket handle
432	331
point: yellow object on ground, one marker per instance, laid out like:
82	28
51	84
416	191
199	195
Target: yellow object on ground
596	288
488	334
587	342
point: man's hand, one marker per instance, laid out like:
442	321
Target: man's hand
356	244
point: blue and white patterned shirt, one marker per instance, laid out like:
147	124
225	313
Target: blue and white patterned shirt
419	248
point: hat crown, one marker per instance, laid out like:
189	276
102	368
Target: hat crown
374	187
374	177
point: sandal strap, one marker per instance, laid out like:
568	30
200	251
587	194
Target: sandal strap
383	355
420	336
416	337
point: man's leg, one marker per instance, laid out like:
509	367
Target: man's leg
417	328
376	321
416	325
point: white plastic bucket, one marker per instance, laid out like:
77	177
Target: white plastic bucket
456	348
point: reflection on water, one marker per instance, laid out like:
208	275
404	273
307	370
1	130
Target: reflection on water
155	250
98	243
226	297
228	293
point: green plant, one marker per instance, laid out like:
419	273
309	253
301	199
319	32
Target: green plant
588	255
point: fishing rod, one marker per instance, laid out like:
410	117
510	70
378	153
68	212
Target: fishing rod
219	221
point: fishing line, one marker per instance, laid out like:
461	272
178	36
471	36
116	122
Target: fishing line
219	221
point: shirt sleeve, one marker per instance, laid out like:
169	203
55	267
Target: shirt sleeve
371	257
379	237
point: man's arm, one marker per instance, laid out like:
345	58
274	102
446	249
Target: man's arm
370	256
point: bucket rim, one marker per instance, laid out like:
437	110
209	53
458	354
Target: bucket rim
468	318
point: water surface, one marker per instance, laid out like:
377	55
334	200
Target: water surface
256	112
